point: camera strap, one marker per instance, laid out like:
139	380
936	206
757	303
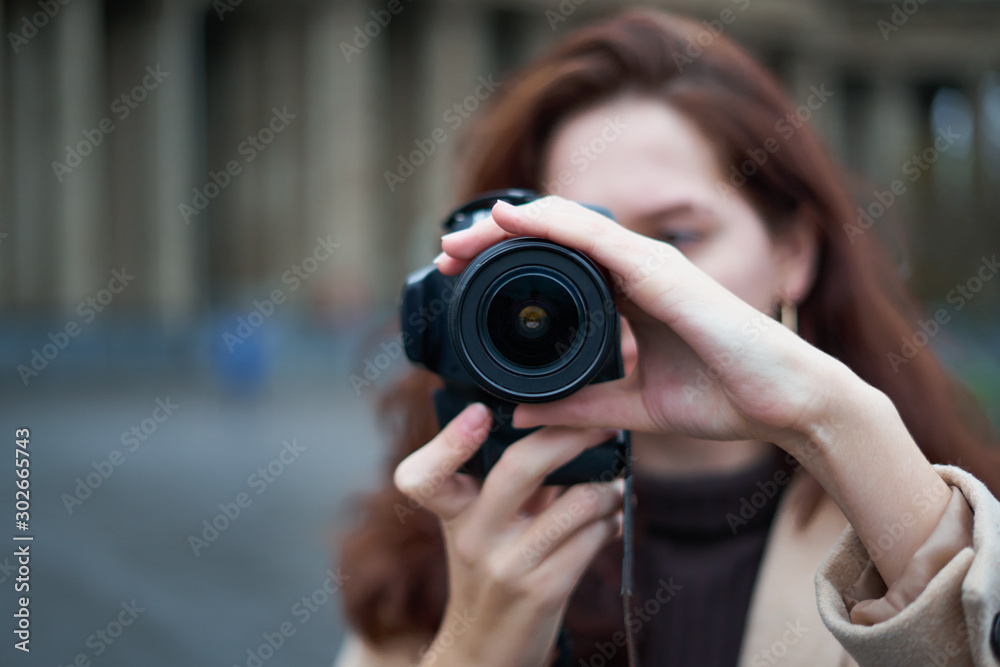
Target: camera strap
564	646
628	507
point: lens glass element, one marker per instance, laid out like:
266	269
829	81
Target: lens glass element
532	321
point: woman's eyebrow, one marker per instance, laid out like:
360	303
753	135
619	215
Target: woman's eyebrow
671	211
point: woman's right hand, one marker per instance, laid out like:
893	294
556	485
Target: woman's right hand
515	549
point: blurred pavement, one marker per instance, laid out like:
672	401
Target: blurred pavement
129	539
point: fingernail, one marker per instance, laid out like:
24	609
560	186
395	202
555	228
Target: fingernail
451	235
507	206
440	257
474	416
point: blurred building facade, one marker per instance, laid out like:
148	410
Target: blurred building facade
222	150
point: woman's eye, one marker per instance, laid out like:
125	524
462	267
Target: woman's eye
681	238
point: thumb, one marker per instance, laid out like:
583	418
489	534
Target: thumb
615	404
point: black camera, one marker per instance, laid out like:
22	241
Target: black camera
528	321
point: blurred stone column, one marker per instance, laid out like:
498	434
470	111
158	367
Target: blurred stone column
85	124
343	186
176	285
892	136
536	29
892	126
817	69
281	163
236	216
6	167
31	207
455	67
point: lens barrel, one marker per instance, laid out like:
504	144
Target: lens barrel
532	321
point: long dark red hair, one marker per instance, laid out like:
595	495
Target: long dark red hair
857	309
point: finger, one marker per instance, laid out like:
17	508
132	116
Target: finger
646	269
427	476
523	466
461	246
539	500
575	226
615	404
450	266
562	568
581	505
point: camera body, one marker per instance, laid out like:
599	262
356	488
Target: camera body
528	321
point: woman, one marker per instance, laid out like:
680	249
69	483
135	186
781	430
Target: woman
757	451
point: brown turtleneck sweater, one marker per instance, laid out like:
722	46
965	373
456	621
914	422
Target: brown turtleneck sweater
698	547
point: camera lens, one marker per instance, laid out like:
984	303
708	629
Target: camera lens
531	320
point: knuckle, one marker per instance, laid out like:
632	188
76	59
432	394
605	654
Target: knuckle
405	479
466	551
589	506
506	575
518	462
601	498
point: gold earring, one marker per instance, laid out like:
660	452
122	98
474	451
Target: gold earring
790	315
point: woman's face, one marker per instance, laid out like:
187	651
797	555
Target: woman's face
657	174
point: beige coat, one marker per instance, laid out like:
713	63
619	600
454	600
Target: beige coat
798	615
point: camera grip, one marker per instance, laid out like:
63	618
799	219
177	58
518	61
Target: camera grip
601	463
